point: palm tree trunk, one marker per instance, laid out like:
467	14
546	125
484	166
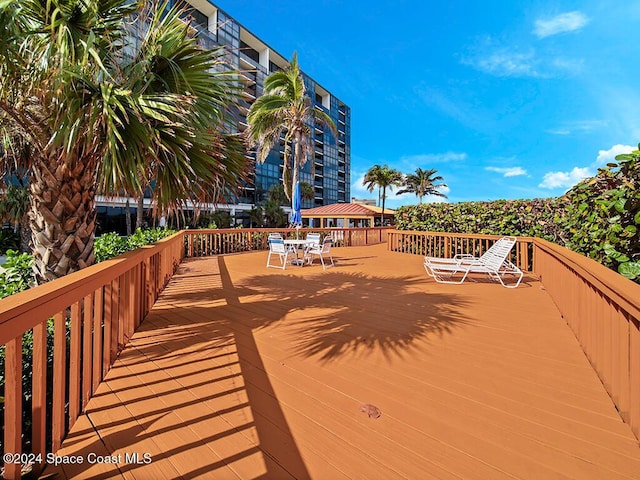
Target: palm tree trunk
384	196
25	234
127	213
296	163
62	214
140	211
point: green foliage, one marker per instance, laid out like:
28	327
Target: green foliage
603	216
537	217
9	240
111	244
17	275
256	216
274	215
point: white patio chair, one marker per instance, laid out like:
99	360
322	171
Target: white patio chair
277	248
321	251
493	262
313	240
274	236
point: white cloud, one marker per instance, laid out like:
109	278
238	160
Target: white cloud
567	180
606	156
505	63
508	171
358	190
565	22
578	126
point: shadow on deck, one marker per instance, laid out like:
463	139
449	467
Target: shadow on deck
244	372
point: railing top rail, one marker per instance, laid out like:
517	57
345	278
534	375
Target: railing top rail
284	229
24	310
458	235
620	290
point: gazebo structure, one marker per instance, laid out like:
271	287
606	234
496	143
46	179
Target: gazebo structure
344	215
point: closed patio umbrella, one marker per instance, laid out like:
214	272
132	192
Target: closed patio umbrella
296	217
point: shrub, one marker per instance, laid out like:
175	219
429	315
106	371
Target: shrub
111	244
603	216
17	275
538	217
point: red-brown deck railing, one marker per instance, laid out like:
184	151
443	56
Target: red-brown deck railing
601	306
603	310
439	244
94	312
215	242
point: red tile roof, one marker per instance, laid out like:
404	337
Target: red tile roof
337	209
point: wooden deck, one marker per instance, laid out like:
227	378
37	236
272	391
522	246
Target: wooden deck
244	372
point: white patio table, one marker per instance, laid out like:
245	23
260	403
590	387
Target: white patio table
297	245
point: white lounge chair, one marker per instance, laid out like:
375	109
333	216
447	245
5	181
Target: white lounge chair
493	262
277	248
321	251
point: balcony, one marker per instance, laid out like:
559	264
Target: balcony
249	94
209	364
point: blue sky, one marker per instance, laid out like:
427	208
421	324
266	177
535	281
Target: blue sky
506	99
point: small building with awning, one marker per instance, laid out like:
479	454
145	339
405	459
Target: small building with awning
345	215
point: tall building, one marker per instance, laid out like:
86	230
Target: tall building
329	169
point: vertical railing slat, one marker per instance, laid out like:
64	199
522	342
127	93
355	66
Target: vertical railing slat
13	405
634	376
97	339
39	390
108	318
74	365
58	423
87	349
115	320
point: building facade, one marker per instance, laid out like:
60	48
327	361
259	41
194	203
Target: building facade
329	169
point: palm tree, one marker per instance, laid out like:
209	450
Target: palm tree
107	106
256	216
383	178
285	109
422	183
369	180
307	192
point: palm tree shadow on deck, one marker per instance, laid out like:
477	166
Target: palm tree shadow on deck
330	314
342	313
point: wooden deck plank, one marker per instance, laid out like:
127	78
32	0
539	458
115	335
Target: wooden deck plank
243	372
80	443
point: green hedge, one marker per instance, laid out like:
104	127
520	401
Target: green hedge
539	217
111	244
